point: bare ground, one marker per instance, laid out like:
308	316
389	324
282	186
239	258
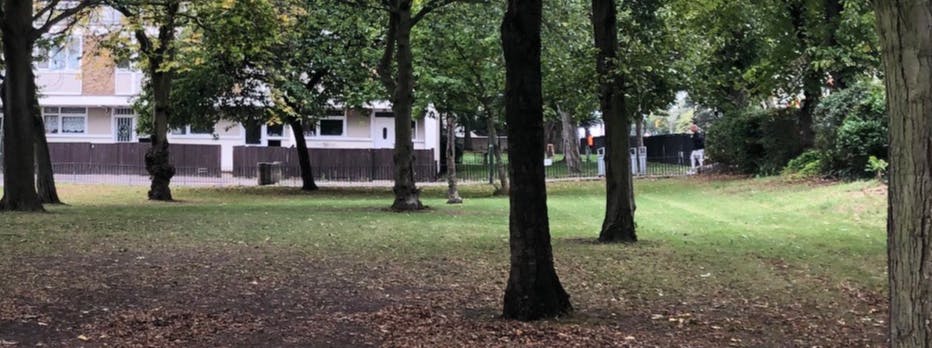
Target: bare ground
269	297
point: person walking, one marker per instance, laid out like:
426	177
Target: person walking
698	154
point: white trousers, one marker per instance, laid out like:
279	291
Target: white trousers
698	156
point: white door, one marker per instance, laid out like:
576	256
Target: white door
383	132
125	129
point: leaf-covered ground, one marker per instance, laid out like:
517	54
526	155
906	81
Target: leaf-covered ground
722	262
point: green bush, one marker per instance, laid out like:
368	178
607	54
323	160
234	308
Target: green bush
807	165
755	141
851	126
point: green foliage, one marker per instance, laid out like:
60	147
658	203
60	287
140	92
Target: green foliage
851	126
809	164
755	141
877	166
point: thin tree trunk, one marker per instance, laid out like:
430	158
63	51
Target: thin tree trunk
904	32
534	290
304	158
45	178
503	188
618	225
407	195
832	18
570	142
453	193
19	182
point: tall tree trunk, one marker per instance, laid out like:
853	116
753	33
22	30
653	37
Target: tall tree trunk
570	142
45	178
618	225
19	182
158	163
812	91
832	17
304	158
534	290
500	166
639	130
904	32
453	193
407	195
467	136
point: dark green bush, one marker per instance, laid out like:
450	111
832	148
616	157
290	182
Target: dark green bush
755	141
807	165
851	126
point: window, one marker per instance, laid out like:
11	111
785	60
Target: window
275	130
65	120
331	127
202	129
66	57
192	130
413	129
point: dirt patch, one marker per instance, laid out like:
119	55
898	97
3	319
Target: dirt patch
244	296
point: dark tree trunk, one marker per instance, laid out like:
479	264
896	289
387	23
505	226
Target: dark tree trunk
639	130
304	158
158	162
534	290
407	195
19	182
618	225
832	18
904	32
503	188
453	193
45	178
812	90
570	142
467	137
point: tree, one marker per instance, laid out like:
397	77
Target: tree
618	225
534	290
396	74
569	77
453	193
327	45
904	31
23	23
157	50
463	70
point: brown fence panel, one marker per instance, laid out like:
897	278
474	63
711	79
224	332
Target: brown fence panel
333	164
129	158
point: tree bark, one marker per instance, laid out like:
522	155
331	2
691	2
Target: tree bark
904	32
19	184
500	166
618	225
570	142
45	178
534	290
832	16
158	163
304	158
407	195
453	193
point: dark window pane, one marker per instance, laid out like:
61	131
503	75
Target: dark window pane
331	127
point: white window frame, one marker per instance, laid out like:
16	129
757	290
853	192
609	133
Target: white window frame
117	114
60	121
186	131
333	116
414	129
47	57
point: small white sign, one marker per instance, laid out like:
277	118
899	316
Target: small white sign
548	162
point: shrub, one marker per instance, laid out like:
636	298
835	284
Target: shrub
807	165
851	126
755	141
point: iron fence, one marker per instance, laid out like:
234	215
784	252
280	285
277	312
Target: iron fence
470	171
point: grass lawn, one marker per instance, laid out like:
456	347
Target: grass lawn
724	262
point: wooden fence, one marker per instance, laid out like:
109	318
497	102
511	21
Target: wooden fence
129	158
333	164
